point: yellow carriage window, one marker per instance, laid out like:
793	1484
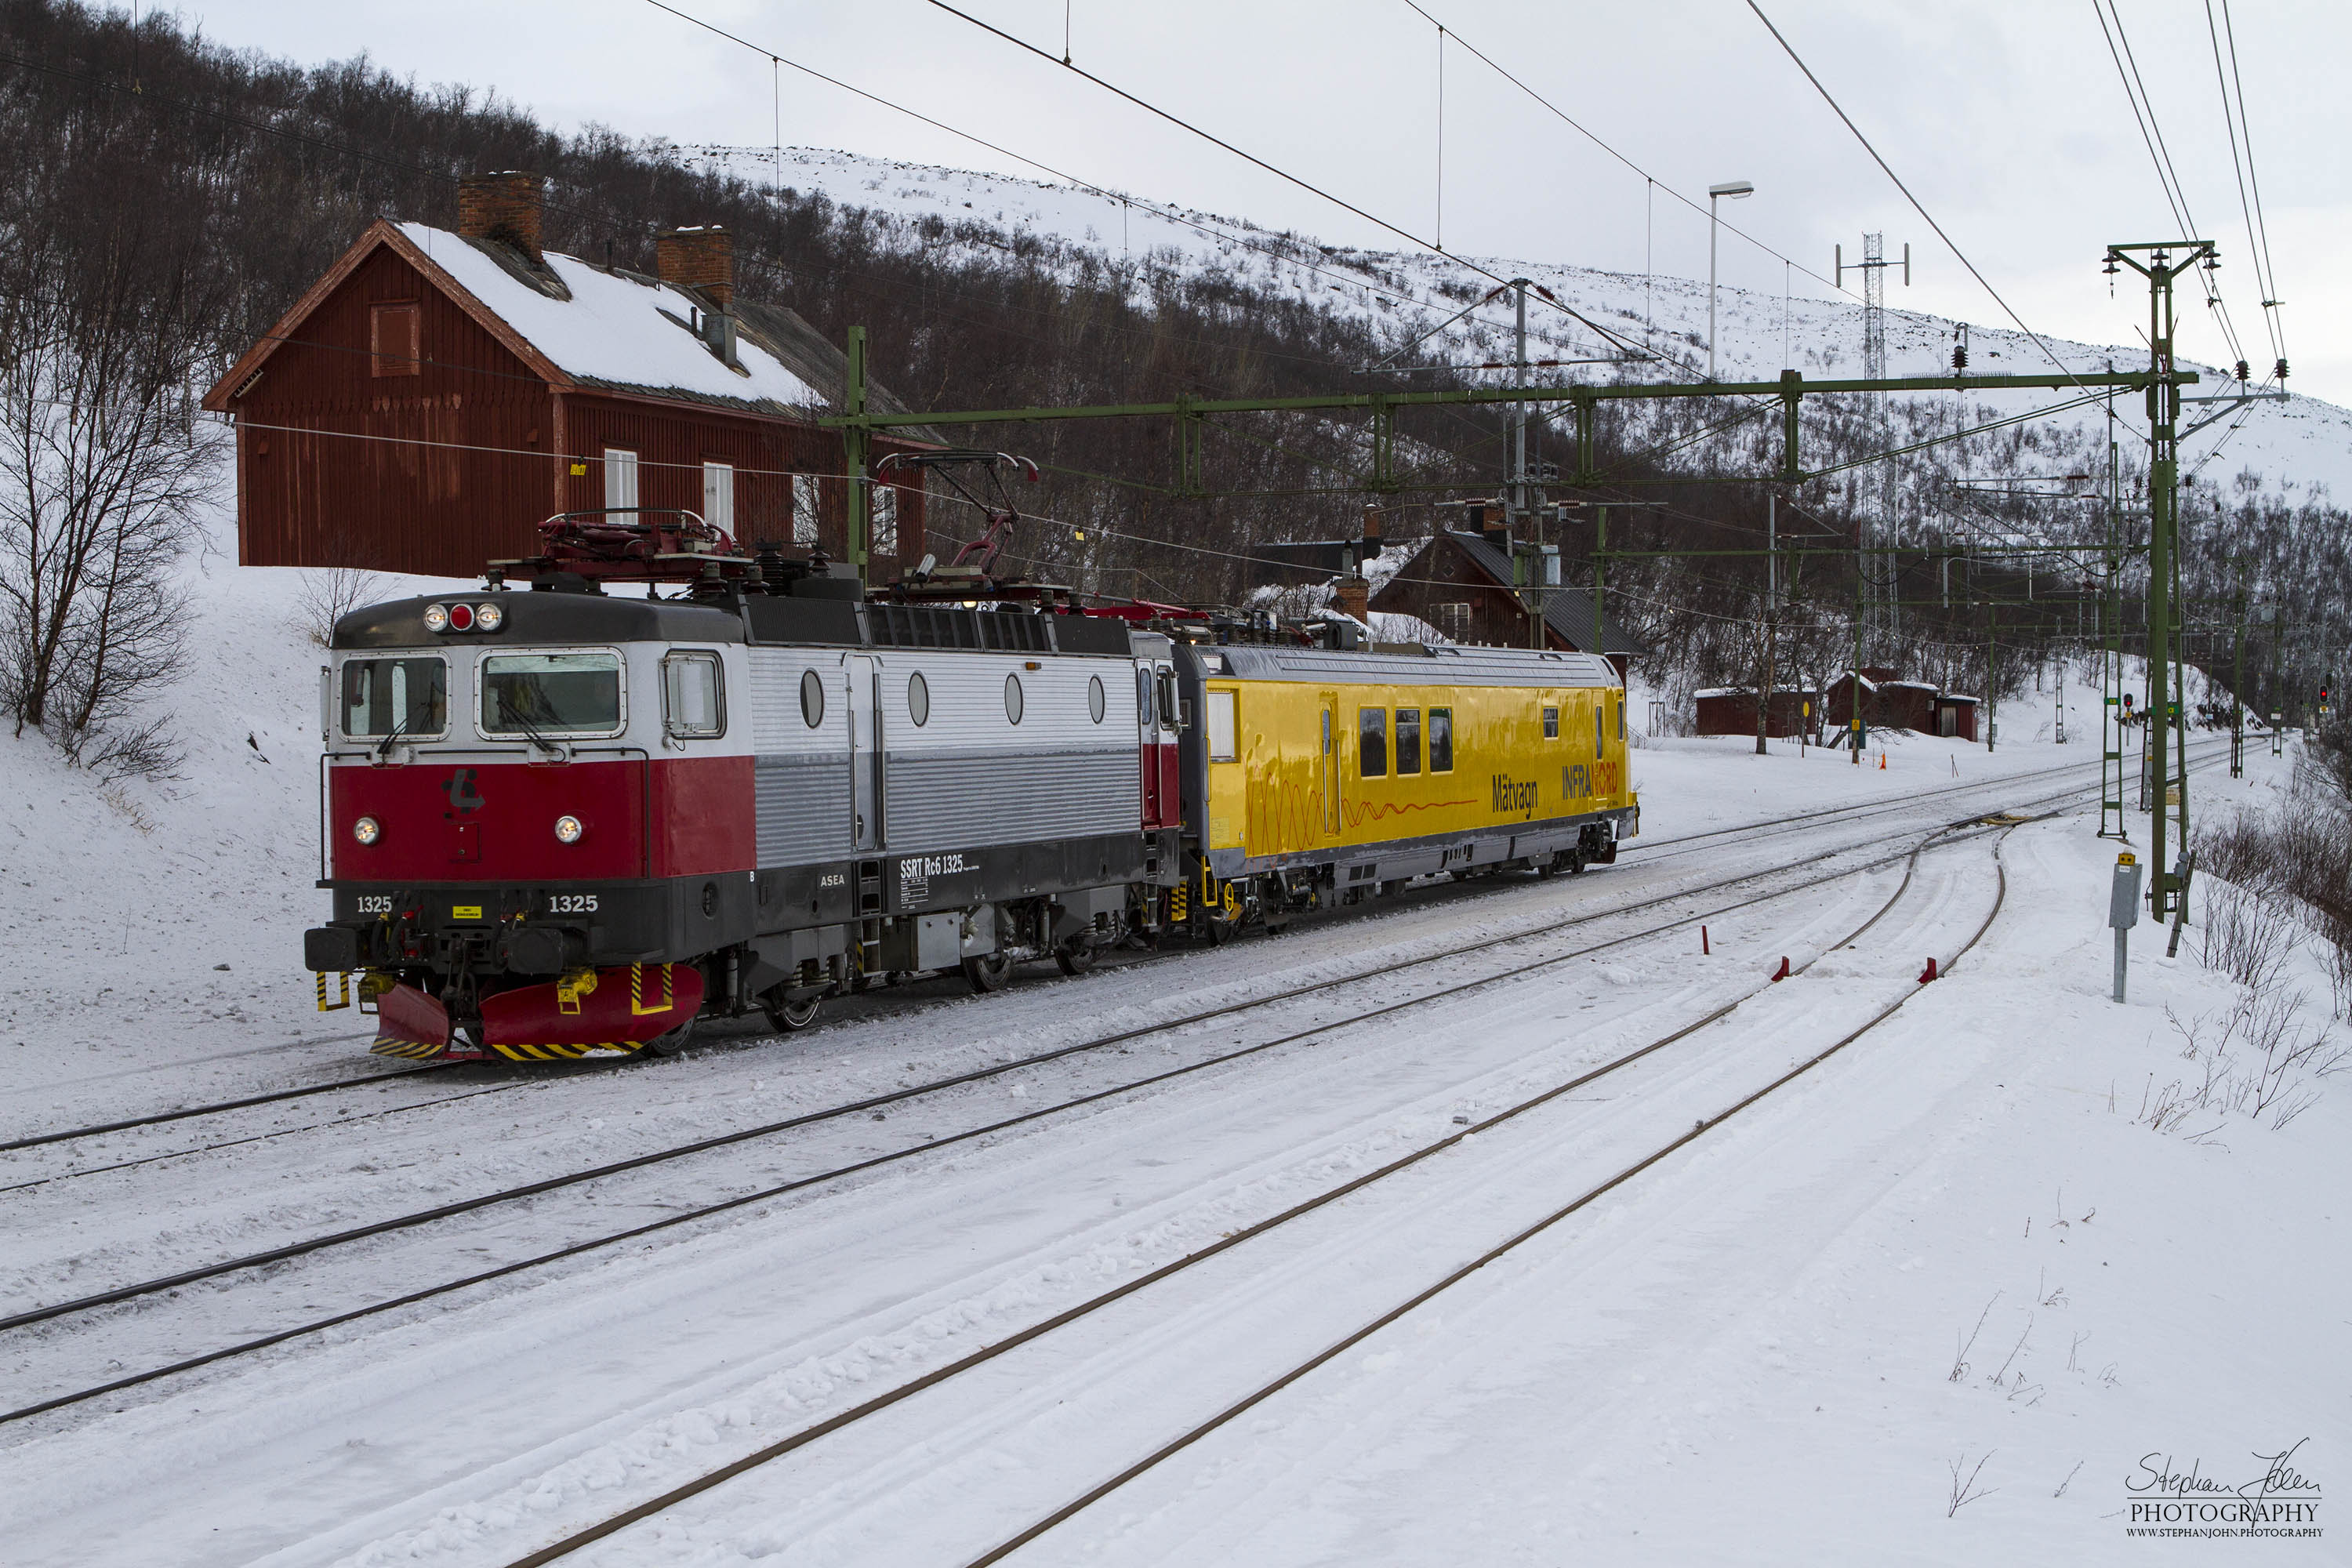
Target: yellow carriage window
1372	750
1408	740
1551	724
1600	727
1441	740
1224	727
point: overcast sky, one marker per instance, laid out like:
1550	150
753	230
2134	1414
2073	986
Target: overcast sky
2007	120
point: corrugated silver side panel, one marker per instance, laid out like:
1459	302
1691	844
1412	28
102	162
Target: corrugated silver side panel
1001	797
802	805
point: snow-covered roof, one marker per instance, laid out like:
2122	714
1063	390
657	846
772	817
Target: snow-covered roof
616	328
1911	685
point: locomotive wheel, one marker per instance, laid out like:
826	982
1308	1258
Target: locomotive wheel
787	1017
672	1044
1075	957
988	973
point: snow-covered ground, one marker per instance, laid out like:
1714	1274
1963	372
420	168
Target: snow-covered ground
1745	1354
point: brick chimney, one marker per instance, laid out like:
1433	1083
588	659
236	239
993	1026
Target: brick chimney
1351	595
698	259
503	206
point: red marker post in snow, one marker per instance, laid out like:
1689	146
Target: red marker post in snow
1702	941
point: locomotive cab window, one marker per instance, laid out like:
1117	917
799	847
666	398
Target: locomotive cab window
1408	740
1551	724
1372	742
386	697
1441	740
1224	726
532	696
692	705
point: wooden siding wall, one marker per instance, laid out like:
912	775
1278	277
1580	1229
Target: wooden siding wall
442	471
405	498
1442	574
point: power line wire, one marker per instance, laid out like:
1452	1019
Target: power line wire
1626	345
1883	167
1583	130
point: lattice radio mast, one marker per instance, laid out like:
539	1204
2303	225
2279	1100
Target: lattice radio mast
1873	266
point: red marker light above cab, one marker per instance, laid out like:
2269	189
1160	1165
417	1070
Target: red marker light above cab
461	617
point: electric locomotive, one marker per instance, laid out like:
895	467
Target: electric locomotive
561	821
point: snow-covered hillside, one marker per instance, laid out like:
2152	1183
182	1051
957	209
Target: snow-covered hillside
2297	446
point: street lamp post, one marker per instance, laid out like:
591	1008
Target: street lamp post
1715	194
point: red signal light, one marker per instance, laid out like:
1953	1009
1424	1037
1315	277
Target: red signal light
461	617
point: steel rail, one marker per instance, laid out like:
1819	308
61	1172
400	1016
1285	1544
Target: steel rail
876	1161
1268	1390
705	1482
1648	850
36	1315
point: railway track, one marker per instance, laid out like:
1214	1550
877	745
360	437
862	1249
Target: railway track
1268	1388
993	1127
1648	852
870	1104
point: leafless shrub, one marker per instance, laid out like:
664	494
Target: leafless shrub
1965	1492
1960	1354
2249	935
329	594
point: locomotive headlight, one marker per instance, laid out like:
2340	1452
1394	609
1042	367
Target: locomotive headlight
490	617
367	830
436	617
568	829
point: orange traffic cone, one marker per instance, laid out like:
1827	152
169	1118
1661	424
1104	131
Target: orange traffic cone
1882	762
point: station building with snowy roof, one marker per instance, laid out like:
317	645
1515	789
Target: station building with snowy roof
438	392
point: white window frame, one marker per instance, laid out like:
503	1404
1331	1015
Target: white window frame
719	495
806	515
671	728
500	738
341	715
1224	726
621	484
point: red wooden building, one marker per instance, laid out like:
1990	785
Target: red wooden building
437	394
1460	582
1731	710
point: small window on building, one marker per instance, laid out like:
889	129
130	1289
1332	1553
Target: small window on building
804	516
1551	724
1441	740
691	706
1408	741
1372	742
1452	620
621	484
1014	700
718	496
1224	726
918	699
884	544
392	340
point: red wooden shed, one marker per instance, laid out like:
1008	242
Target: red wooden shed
438	392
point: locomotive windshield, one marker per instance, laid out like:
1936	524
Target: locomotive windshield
388	697
533	695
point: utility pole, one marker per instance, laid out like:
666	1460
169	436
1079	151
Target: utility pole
1772	606
857	442
2163	493
1992	685
1873	266
1736	190
2237	685
1853	727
